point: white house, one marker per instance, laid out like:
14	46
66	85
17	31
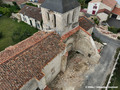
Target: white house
95	5
32	16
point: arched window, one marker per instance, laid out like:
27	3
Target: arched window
54	20
68	19
73	17
38	88
48	16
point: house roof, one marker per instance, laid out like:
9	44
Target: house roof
41	1
95	1
19	2
24	61
32	12
60	6
85	23
104	10
116	11
110	3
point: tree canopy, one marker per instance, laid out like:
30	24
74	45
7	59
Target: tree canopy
1	2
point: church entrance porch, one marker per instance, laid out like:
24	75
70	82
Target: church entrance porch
73	77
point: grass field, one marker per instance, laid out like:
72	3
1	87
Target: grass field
7	27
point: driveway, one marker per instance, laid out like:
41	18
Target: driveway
114	22
104	67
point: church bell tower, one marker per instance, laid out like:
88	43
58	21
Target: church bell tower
60	15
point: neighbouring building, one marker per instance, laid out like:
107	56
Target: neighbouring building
20	3
32	16
33	63
116	13
95	5
36	2
103	15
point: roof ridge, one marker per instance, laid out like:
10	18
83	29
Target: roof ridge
29	46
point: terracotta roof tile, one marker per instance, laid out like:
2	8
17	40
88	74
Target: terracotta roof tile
19	2
116	11
32	12
95	1
110	3
65	36
27	58
104	10
41	1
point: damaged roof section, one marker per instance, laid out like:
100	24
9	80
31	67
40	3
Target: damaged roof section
85	23
24	61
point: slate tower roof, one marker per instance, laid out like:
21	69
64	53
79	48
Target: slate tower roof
60	6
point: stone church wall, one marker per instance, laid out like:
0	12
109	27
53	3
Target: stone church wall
52	68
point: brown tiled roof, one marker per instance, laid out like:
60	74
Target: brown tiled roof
110	3
95	1
73	31
32	12
41	1
85	23
116	11
65	36
104	10
22	62
19	2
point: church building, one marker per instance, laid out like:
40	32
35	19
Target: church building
33	63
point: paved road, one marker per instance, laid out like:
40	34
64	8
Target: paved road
103	68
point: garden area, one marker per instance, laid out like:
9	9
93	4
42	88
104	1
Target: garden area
7	10
114	30
115	80
12	32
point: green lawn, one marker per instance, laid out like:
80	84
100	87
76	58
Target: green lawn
7	27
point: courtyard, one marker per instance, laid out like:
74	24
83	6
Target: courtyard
77	68
9	27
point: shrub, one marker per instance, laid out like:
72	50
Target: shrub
5	11
19	35
118	37
114	30
30	4
117	52
96	21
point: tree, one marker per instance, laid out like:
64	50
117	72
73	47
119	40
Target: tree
82	2
5	11
1	2
87	1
